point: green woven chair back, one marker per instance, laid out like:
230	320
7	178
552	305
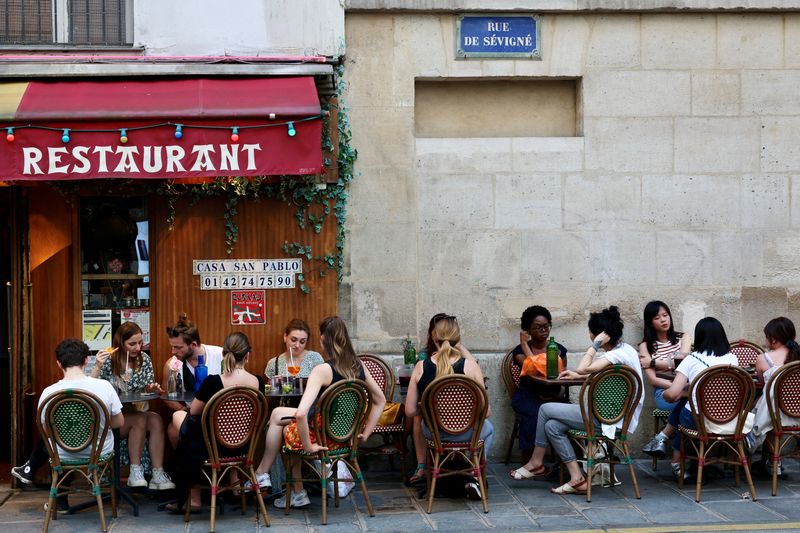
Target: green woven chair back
611	398
343	408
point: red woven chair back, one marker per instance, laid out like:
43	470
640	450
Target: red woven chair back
454	404
510	373
783	393
380	372
720	394
234	417
746	352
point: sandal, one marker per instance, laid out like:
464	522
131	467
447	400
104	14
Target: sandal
524	473
419	474
571	487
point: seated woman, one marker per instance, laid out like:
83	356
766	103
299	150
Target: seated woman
711	348
659	349
342	364
536	324
129	369
191	450
295	338
555	419
783	349
419	439
447	359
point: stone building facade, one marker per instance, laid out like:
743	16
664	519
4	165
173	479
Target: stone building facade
651	153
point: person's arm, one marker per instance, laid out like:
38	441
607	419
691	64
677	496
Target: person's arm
196	409
100	360
117	420
674	392
524	337
590	365
761	366
321	376
149	375
468	356
412	395
378	400
644	359
686	346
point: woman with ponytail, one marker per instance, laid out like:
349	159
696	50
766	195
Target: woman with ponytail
783	349
290	425
447	359
191	449
555	419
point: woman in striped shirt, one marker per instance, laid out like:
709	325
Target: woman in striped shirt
659	349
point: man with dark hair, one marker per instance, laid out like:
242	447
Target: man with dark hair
71	358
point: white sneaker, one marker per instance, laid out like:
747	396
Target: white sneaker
136	477
299	499
264	482
160	480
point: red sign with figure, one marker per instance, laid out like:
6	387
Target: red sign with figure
248	308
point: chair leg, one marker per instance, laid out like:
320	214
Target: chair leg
360	476
701	458
335	475
656	429
589	457
214	485
51	501
682	460
476	462
288	463
776	446
514	432
99	497
432	478
257	489
627	452
323	483
746	467
113	491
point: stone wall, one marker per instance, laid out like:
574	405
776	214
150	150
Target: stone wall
681	186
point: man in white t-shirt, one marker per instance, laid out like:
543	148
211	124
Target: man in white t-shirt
184	340
72	357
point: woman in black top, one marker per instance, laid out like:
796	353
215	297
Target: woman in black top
342	364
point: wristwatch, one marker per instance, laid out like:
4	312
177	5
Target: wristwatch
652	362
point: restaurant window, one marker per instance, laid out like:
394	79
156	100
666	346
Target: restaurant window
115	267
70	22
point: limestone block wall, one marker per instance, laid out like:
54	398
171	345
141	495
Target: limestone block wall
682	184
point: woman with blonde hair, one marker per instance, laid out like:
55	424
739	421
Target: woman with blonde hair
342	364
446	360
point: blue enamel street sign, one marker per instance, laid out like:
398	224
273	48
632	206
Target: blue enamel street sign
504	36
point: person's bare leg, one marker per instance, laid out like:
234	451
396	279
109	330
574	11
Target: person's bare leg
274	438
174	429
136	426
537	459
575	472
155	427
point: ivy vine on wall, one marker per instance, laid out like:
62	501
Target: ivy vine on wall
312	200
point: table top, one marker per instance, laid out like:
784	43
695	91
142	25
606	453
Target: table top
277	393
555	382
130	397
185	397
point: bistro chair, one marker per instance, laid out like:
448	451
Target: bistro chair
783	402
233	423
720	394
746	352
510	374
454	405
383	375
75	423
608	396
341	411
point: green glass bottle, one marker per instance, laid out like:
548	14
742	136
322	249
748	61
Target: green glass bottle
552	359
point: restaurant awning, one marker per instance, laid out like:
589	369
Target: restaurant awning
166	128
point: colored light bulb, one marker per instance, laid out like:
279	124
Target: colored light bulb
10	135
235	135
123	136
290	129
65	136
178	131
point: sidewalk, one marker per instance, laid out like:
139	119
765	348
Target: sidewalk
514	505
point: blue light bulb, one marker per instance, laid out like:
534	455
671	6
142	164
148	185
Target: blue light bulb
178	131
290	129
65	136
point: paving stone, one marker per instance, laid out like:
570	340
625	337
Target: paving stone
610	516
739	512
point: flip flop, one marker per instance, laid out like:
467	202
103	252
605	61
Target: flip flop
571	487
174	509
524	473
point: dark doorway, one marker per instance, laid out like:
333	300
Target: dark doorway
5	354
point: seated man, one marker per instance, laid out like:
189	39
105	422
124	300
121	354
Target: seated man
71	358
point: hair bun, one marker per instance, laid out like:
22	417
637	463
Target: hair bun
612	312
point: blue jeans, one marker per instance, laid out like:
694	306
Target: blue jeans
681	416
661	403
555	419
487	434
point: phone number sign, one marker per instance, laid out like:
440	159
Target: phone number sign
234	274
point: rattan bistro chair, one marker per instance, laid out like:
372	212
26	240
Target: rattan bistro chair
233	424
341	411
76	422
746	352
455	404
608	396
719	394
383	375
783	401
510	375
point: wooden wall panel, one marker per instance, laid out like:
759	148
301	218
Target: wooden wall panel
199	233
53	300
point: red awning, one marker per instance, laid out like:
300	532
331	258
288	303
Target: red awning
160	128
